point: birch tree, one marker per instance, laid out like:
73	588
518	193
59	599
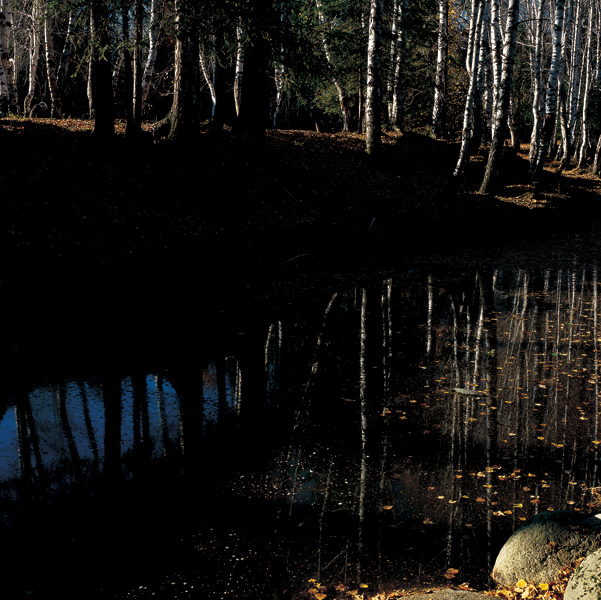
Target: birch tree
153	38
9	88
34	55
474	61
373	128
501	108
398	49
584	143
342	95
183	121
537	81
440	86
551	93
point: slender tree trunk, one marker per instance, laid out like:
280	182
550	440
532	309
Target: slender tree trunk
342	95
6	22
55	99
137	68
440	86
503	98
597	162
206	72
397	55
102	91
183	121
537	83
572	99
34	55
126	65
551	93
373	105
153	38
476	18
588	61
239	68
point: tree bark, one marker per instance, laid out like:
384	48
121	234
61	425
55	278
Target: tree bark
584	144
397	55
182	124
440	86
6	22
472	62
503	98
153	38
551	93
537	83
34	55
373	104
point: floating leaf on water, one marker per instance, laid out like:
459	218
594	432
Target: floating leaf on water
320	596
387	507
363	585
480	500
428	522
518	505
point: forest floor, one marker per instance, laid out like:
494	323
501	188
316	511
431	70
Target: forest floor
70	203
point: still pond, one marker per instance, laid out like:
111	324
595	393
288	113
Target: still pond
374	433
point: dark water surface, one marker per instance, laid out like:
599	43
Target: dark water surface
368	431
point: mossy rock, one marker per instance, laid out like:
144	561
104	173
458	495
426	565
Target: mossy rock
539	549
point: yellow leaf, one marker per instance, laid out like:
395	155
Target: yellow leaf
480	500
543	586
387	507
320	596
521	583
363	585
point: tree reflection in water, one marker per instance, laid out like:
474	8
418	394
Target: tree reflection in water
382	433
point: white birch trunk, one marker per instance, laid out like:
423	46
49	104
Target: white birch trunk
551	92
537	82
342	95
239	69
588	60
503	97
440	86
473	52
6	64
495	54
153	39
34	55
373	101
55	99
206	71
397	62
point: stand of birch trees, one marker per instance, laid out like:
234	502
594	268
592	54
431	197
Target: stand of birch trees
491	73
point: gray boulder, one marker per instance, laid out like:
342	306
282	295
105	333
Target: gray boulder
541	547
585	583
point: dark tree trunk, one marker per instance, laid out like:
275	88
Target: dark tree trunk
102	85
253	117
